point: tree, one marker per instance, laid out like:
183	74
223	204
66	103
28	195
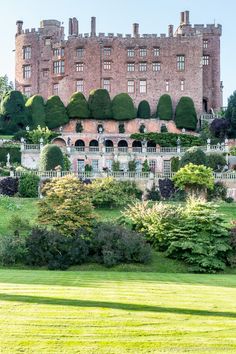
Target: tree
164	108
55	112
195	156
220	128
100	104
185	114
78	106
5	86
216	162
123	107
50	157
36	111
66	206
194	179
34	136
14	115
144	110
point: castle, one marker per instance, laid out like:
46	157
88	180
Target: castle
186	62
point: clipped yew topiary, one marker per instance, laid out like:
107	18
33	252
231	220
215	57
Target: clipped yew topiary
78	106
144	110
185	114
164	108
50	157
36	111
123	107
100	104
13	112
55	112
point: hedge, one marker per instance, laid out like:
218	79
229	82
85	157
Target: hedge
56	114
123	107
36	111
169	139
50	157
185	114
100	104
15	154
144	110
78	106
164	108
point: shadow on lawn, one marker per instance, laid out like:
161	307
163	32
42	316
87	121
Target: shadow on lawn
112	305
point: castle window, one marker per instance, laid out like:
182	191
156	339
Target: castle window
107	84
27	91
167	85
205	60
26	71
180	62
47	41
130	86
79	52
107	51
142	52
130	67
182	85
143	86
107	65
80	85
205	43
156	66
130	52
142	66
156	51
45	72
79	67
27	52
94	165
55	89
58	52
59	67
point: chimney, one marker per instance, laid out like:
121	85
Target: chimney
70	27
75	26
186	17
170	30
136	30
93	26
19	25
181	18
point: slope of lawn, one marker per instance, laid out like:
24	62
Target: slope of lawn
107	312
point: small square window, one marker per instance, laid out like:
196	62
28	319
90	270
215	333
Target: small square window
156	51
130	67
107	65
142	66
26	71
27	52
130	52
80	85
131	86
143	86
107	84
79	67
79	52
107	51
205	60
180	62
156	66
143	52
205	43
27	91
47	41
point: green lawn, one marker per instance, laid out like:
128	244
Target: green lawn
107	312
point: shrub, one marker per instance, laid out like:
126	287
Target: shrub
142	128
168	139
113	244
115	166
185	114
219	192
200	238
100	104
166	187
14	115
36	111
79	127
216	162
78	106
164	129
34	136
28	185
123	107
121	128
9	186
153	194
132	165
50	157
13	249
145	166
66	163
66	205
164	108
144	110
219	128
195	156
55	112
175	163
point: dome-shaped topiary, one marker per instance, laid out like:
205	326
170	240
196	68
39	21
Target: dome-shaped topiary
185	114
164	108
144	110
50	157
36	111
100	104
123	107
55	112
78	106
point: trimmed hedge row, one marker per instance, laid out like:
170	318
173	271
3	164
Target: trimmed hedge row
169	139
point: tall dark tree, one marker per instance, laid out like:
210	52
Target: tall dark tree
230	114
56	114
164	108
100	104
36	111
5	86
78	106
144	110
185	114
123	107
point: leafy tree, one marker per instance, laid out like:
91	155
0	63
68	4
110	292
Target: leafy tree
28	185
55	112
220	128
5	86
34	136
185	114
164	108
145	166
216	162
144	110
100	104
195	156
50	157
230	114
36	111
66	206
78	106
14	115
123	107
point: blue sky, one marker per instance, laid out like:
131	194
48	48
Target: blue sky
118	16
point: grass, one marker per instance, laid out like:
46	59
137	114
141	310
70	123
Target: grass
107	312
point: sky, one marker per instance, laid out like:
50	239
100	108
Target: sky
153	16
